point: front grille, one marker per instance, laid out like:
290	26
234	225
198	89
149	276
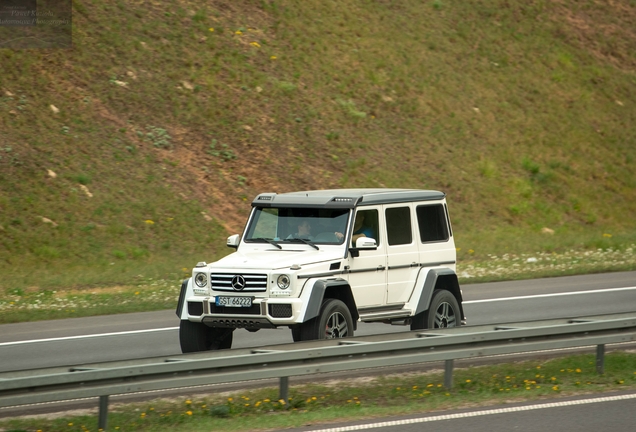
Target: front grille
280	310
253	282
195	308
255	309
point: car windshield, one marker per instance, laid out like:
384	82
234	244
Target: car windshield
297	225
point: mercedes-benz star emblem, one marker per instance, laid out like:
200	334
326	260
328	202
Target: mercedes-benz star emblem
238	283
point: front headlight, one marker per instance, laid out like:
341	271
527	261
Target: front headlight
283	281
201	279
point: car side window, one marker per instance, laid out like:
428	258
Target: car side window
431	220
398	225
366	225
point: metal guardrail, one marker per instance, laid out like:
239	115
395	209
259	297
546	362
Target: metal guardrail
337	355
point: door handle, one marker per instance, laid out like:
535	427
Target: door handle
381	267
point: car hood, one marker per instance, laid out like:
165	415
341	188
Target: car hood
272	259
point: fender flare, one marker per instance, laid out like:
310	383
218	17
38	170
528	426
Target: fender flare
332	288
182	296
447	280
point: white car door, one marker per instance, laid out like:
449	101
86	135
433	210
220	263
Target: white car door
367	272
402	252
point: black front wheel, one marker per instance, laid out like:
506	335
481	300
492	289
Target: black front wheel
195	337
333	322
443	312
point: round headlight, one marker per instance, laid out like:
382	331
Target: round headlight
201	279
283	281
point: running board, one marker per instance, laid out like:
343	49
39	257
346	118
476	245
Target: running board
395	315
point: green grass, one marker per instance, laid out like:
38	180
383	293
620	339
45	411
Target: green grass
172	118
385	396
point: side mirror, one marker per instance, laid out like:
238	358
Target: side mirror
366	243
363	243
233	241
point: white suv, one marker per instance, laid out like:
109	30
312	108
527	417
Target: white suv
320	261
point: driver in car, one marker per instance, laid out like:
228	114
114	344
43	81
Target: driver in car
304	230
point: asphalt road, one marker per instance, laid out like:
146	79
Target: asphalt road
583	414
132	336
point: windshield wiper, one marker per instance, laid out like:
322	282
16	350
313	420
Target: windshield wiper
268	241
296	239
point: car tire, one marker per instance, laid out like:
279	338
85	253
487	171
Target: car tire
333	322
443	312
296	332
196	337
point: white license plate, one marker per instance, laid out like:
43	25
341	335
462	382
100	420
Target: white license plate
233	301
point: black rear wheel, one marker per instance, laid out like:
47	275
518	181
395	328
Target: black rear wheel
443	312
195	337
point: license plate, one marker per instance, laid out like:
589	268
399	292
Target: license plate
233	301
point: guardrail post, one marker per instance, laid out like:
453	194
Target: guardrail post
448	374
600	359
284	389
102	423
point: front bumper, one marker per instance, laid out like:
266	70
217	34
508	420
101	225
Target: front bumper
264	313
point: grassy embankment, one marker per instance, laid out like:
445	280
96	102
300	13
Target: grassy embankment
387	396
171	118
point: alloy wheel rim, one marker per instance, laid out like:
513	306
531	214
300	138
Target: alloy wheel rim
445	316
336	326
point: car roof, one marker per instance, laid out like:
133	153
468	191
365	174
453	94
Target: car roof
345	198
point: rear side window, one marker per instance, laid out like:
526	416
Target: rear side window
431	220
398	225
